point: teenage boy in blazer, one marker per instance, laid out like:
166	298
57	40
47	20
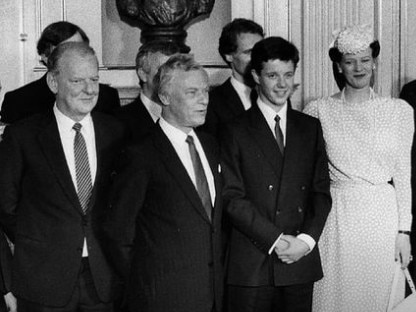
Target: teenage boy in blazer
276	192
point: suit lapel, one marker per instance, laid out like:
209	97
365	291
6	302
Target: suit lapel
233	99
102	133
177	170
51	145
294	142
265	139
146	121
212	158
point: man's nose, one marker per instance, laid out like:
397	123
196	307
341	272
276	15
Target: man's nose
90	87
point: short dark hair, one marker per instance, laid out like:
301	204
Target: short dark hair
55	33
82	48
336	57
230	32
273	48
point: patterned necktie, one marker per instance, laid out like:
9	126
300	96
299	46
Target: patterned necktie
279	134
82	168
200	177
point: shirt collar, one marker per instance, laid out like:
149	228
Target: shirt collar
174	134
67	123
269	112
239	86
155	109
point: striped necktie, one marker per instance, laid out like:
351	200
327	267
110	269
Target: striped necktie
82	168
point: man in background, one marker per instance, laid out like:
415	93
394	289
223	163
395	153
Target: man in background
36	97
54	179
234	96
140	116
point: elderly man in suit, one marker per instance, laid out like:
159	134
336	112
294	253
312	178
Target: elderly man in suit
235	95
141	115
54	178
36	97
276	191
164	227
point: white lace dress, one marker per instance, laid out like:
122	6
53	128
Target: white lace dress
368	145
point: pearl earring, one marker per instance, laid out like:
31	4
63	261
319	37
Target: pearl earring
374	67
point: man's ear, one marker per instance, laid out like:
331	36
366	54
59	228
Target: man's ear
142	75
52	83
255	76
229	58
164	99
44	59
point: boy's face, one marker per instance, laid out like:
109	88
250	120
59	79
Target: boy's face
275	82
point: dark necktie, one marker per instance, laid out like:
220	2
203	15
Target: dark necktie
82	168
279	134
200	177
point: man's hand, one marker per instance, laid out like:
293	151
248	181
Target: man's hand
281	245
11	302
296	250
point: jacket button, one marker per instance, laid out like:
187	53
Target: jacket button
303	187
277	212
300	209
271	187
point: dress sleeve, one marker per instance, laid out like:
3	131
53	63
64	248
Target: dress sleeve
402	169
312	109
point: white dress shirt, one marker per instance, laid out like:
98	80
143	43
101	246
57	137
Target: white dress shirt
269	114
243	92
178	140
154	109
67	135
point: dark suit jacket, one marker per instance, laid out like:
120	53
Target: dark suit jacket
159	229
41	213
136	119
408	94
224	106
36	97
5	269
266	195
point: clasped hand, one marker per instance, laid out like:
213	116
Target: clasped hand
290	249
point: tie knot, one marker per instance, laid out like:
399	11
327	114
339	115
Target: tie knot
189	139
277	118
77	127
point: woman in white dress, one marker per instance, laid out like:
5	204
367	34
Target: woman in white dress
368	140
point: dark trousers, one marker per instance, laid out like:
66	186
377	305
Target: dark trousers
84	297
3	307
294	298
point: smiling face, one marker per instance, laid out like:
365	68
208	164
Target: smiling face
275	82
75	84
185	101
357	69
